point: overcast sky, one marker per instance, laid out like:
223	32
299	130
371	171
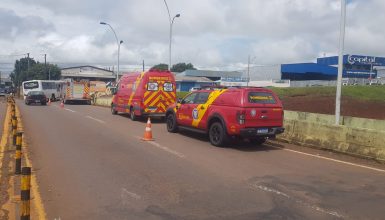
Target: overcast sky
211	34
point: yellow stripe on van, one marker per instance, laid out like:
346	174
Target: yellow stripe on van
146	102
136	86
201	112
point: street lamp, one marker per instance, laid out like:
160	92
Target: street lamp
171	23
118	43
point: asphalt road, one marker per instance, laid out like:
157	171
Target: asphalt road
92	165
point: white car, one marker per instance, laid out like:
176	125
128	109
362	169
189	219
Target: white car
194	89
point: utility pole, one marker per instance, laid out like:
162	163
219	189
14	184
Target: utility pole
28	61
45	63
143	65
248	71
340	61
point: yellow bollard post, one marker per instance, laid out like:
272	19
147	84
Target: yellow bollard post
25	193
19	136
13	110
14	129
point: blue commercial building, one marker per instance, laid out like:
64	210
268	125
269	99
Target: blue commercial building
355	66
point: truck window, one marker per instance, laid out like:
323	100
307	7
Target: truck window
261	98
189	99
201	97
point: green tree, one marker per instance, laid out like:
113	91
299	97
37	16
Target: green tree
35	70
160	66
180	67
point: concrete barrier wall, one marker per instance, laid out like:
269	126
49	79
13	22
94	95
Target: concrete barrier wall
103	101
310	117
317	130
352	122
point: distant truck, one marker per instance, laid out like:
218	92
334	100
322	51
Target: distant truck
77	91
144	94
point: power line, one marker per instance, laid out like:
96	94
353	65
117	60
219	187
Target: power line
13	55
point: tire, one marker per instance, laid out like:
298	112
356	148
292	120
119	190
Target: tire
113	111
171	123
132	115
43	103
26	103
258	140
217	135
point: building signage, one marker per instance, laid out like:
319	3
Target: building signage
364	60
361	59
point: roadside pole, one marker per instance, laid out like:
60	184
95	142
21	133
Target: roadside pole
340	61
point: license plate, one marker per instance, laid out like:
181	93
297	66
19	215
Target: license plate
37	101
263	131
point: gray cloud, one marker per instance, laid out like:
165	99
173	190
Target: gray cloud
14	25
209	33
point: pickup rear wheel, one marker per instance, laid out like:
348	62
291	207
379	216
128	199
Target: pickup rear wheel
172	125
217	134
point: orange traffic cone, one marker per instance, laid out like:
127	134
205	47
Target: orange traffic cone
62	104
148	132
49	101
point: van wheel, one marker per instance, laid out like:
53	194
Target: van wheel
217	134
258	140
132	114
172	125
113	111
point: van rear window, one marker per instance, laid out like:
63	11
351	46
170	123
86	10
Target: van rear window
261	98
152	86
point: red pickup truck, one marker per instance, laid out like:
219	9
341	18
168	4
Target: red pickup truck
248	112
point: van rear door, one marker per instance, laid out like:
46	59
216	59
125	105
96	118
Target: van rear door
161	93
262	108
78	90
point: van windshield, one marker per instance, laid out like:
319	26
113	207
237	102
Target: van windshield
261	98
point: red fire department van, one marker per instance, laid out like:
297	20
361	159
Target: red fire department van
144	94
249	112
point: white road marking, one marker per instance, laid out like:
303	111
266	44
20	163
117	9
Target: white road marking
125	193
331	159
95	119
168	150
314	207
69	110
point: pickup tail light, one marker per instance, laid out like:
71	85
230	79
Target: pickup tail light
241	116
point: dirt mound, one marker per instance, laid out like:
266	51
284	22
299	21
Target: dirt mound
326	105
